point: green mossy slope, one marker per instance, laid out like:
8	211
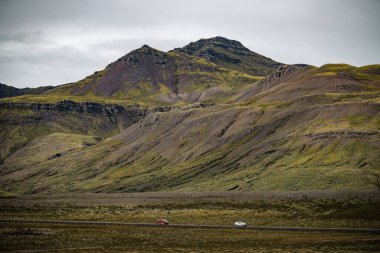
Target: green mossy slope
301	128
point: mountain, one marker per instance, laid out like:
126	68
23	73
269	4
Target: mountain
141	81
9	91
230	54
147	76
299	128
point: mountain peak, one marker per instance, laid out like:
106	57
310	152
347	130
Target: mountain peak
230	54
218	41
222	42
145	49
141	55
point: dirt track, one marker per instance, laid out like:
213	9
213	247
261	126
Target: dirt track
100	223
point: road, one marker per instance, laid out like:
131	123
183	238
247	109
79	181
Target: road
306	229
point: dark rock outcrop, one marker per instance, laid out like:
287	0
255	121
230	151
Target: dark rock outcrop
68	106
133	113
341	134
279	73
278	76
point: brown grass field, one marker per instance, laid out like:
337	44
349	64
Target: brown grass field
319	209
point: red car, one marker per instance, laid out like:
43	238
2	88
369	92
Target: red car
162	222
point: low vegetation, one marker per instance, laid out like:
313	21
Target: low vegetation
69	238
318	211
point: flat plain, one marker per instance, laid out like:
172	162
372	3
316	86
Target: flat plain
305	209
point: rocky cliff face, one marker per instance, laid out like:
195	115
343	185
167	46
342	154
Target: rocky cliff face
22	122
68	106
276	75
131	113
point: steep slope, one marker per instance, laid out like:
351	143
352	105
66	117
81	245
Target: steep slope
231	54
150	77
304	128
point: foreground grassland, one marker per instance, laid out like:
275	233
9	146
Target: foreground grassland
62	238
257	213
350	210
320	208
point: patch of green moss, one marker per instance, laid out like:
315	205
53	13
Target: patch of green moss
369	69
336	68
369	72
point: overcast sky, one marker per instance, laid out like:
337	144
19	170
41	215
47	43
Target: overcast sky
51	42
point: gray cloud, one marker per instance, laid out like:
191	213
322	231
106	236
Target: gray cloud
49	42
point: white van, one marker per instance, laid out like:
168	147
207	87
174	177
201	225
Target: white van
240	224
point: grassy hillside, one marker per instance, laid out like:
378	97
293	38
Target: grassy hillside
302	129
